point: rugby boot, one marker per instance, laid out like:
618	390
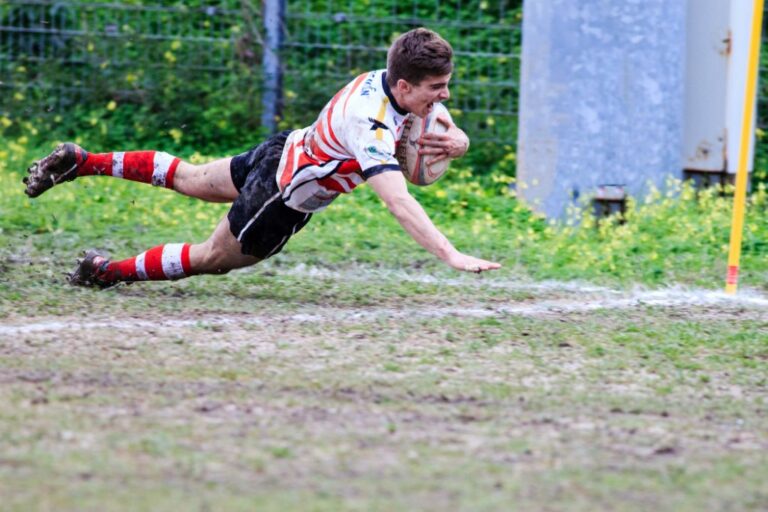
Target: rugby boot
61	165
88	270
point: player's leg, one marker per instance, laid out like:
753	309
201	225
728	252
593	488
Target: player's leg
223	180
217	255
211	181
231	246
257	226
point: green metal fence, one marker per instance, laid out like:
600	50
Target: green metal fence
335	41
111	46
60	55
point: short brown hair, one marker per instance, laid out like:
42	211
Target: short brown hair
417	54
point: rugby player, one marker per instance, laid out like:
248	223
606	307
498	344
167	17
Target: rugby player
276	187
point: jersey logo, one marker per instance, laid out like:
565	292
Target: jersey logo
368	85
377	124
378	151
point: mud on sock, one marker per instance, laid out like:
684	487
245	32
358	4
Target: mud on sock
164	262
154	167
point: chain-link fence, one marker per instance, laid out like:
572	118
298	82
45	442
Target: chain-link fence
98	43
171	67
192	63
335	41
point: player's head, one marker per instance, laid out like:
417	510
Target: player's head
417	54
419	66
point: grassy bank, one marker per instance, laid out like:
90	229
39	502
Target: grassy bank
672	236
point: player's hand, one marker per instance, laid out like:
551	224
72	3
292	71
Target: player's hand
453	143
468	263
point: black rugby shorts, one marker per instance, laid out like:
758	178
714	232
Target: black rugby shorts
259	219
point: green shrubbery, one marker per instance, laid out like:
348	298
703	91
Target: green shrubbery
104	83
195	85
673	236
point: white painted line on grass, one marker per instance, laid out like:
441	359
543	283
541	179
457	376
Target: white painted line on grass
133	324
670	297
486	280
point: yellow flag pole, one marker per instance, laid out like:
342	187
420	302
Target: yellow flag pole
740	197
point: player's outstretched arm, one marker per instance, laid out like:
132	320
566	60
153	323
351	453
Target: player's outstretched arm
391	188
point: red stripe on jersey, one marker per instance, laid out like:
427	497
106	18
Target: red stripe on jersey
331	184
329	115
349	167
305	160
153	263
316	149
287	176
321	132
358	81
349	182
299	161
344	169
320	154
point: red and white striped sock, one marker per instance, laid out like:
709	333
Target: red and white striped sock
164	262
153	167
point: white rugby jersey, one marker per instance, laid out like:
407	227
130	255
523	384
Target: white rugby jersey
352	140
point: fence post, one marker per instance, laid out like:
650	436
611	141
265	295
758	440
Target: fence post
272	98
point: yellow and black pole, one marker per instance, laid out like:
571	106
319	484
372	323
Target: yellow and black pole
740	196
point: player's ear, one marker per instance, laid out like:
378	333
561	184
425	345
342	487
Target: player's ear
403	86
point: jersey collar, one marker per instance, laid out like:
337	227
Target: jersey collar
400	110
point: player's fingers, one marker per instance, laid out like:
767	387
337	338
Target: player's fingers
436	159
433	145
431	150
481	265
437	137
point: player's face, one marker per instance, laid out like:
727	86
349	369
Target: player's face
420	98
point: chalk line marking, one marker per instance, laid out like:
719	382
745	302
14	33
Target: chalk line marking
611	299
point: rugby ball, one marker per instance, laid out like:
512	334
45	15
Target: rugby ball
411	162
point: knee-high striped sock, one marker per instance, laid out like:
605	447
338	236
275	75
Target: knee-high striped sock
153	167
169	261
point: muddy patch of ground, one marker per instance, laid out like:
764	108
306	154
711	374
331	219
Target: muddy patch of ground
563	400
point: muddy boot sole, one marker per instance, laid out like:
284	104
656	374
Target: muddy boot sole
60	166
87	270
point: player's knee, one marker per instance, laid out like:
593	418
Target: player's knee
214	259
220	260
185	175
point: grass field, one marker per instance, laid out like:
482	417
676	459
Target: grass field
354	372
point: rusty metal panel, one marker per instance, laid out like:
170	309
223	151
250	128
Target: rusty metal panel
708	48
716	71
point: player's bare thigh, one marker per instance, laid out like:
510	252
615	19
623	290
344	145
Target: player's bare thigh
211	181
220	253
